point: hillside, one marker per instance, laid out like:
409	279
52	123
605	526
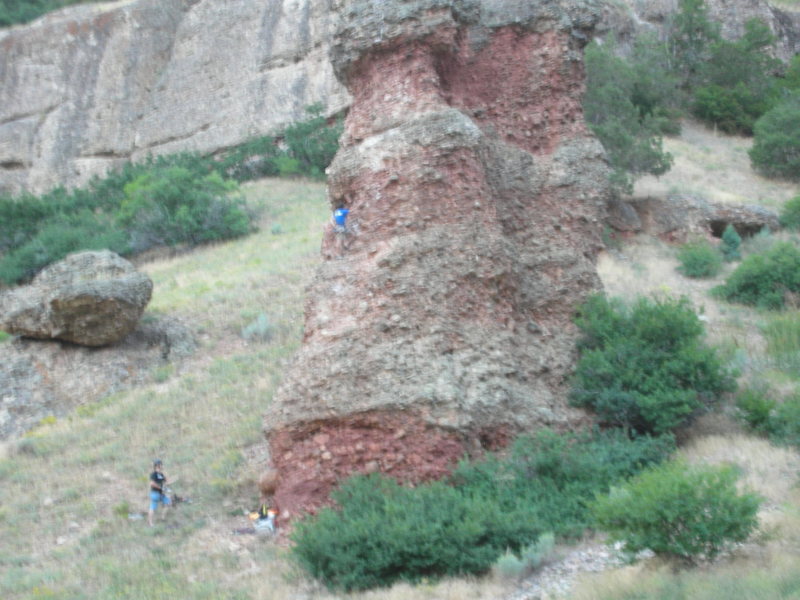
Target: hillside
72	489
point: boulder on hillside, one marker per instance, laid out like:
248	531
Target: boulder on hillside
90	298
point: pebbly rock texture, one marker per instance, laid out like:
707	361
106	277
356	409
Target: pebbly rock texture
90	298
94	85
679	217
440	322
41	379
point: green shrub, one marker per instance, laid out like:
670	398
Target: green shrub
381	532
755	407
59	236
737	83
643	366
172	199
790	214
4	336
731	242
784	422
384	532
259	329
776	143
763	280
679	511
699	259
313	143
169	206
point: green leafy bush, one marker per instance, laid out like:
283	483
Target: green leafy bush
313	143
643	366
737	82
381	532
763	280
731	242
755	407
59	236
173	199
679	511
776	143
699	259
790	214
784	422
171	205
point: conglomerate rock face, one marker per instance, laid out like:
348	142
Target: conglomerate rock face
440	323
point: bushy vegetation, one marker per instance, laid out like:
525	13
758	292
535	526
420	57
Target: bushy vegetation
679	511
790	214
699	260
778	420
380	532
22	11
731	243
776	143
644	366
737	83
764	280
168	200
732	85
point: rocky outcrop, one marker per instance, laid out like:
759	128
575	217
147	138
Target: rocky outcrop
90	298
624	20
440	321
89	87
679	217
41	379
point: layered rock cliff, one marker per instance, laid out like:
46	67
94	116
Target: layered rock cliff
440	320
93	85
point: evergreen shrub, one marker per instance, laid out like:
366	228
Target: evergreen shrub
790	214
776	141
763	280
699	260
731	242
644	366
380	532
679	511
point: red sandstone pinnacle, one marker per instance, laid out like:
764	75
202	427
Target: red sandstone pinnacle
442	323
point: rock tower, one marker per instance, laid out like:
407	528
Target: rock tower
440	322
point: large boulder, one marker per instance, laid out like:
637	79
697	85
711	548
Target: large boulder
441	321
40	379
90	298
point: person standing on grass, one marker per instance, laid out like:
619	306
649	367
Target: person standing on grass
158	482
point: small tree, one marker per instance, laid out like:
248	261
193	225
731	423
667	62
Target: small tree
679	511
731	241
776	143
630	133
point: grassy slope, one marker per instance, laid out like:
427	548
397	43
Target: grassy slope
66	490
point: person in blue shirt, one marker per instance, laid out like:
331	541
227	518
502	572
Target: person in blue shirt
158	484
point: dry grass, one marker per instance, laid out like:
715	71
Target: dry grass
715	167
